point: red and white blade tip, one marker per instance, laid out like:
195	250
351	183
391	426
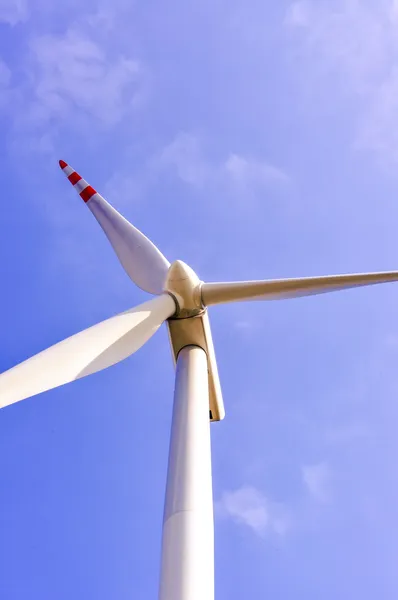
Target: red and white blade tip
85	191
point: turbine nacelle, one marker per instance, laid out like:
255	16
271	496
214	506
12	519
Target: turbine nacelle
190	326
184	285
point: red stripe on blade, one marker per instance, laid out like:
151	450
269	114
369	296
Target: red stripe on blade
74	177
63	164
87	193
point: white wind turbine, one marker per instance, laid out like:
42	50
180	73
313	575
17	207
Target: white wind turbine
181	300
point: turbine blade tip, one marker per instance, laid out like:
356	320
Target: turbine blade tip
63	164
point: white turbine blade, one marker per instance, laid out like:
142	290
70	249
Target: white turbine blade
141	259
87	352
278	289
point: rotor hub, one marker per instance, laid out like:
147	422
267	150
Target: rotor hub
184	285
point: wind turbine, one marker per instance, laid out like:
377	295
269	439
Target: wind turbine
180	300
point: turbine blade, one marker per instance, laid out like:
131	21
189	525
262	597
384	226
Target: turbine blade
141	259
278	289
87	352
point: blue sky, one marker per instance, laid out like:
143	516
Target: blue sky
251	139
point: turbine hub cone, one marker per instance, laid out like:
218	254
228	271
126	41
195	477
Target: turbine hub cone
184	285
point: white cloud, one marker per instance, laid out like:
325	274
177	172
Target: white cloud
124	188
346	434
5	80
5	74
185	155
347	35
71	72
248	506
317	481
394	10
377	130
105	18
297	14
13	11
69	80
243	170
353	46
244	325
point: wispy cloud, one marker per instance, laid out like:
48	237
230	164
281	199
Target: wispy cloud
6	92
243	170
71	71
354	45
5	74
13	11
345	434
69	79
125	188
186	156
250	507
317	479
345	37
245	325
